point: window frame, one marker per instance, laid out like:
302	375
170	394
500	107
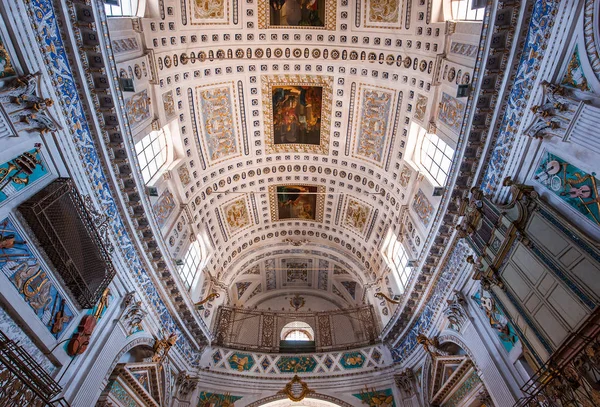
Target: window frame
189	270
150	141
432	157
117	11
460	8
396	257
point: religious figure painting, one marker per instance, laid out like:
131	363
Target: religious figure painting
297	13
297	114
303	202
313	14
23	269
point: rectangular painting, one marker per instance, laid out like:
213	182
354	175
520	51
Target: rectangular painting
356	216
312	14
217	113
451	112
138	108
383	14
31	280
237	215
373	123
14	180
209	12
297	113
422	207
573	186
297	201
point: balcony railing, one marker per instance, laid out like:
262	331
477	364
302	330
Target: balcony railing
242	328
571	377
23	382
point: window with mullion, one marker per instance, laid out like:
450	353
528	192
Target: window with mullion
151	153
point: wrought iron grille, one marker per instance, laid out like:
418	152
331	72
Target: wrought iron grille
23	382
255	329
571	377
66	232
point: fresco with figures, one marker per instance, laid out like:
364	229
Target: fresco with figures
373	123
31	279
218	112
575	187
298	201
21	172
297	13
297	114
497	319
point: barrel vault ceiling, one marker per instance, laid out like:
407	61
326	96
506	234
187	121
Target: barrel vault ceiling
290	141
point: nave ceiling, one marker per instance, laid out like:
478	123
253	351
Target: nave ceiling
291	148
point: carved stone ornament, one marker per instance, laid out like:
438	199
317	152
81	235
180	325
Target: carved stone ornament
485	399
405	381
296	390
185	384
455	311
555	113
26	110
134	316
431	345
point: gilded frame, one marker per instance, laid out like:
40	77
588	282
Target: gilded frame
264	17
319	206
267	84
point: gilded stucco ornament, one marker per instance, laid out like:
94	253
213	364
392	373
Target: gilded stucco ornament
296	389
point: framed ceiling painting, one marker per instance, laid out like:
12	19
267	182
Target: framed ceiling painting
310	14
297	201
297	113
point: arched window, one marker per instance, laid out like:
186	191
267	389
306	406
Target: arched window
121	8
397	260
190	265
297	331
151	153
467	9
436	157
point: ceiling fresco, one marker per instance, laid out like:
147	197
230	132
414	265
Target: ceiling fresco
290	126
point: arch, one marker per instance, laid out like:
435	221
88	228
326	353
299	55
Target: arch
137	340
314	396
300	328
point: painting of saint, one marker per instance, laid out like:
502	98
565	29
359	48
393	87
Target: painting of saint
297	202
305	13
297	114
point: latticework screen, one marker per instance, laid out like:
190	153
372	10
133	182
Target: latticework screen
260	330
58	218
